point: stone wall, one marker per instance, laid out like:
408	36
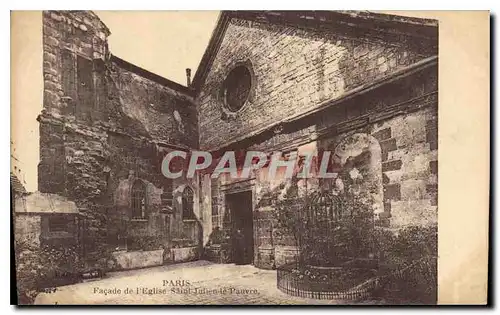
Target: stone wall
27	228
294	70
184	254
134	260
409	168
106	123
163	113
400	121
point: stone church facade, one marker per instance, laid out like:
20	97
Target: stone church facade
361	85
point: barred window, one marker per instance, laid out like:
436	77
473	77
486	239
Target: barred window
187	204
167	195
216	220
201	193
167	226
139	203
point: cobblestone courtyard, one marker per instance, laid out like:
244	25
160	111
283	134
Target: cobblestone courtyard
197	282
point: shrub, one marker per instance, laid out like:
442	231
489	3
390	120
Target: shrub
409	263
42	268
143	242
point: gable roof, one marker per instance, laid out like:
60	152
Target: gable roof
38	202
16	184
151	76
361	21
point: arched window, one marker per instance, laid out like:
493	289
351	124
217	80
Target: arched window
187	204
167	196
139	202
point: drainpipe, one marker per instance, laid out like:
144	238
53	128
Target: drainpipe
188	76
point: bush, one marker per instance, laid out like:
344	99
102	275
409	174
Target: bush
409	262
145	243
42	268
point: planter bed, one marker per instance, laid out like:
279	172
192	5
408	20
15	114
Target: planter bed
137	259
184	254
327	282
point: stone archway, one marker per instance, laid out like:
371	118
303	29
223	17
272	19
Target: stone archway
359	157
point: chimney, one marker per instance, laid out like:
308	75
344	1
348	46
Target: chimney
188	75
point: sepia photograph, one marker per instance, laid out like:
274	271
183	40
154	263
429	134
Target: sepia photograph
228	158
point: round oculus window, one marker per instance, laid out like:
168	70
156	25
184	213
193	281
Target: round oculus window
237	88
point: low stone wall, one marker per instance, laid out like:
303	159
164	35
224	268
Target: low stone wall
264	258
184	254
138	259
269	257
285	255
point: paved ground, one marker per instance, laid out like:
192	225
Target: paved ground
208	284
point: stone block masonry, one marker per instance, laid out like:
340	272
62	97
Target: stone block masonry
295	71
411	169
397	117
104	127
133	260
